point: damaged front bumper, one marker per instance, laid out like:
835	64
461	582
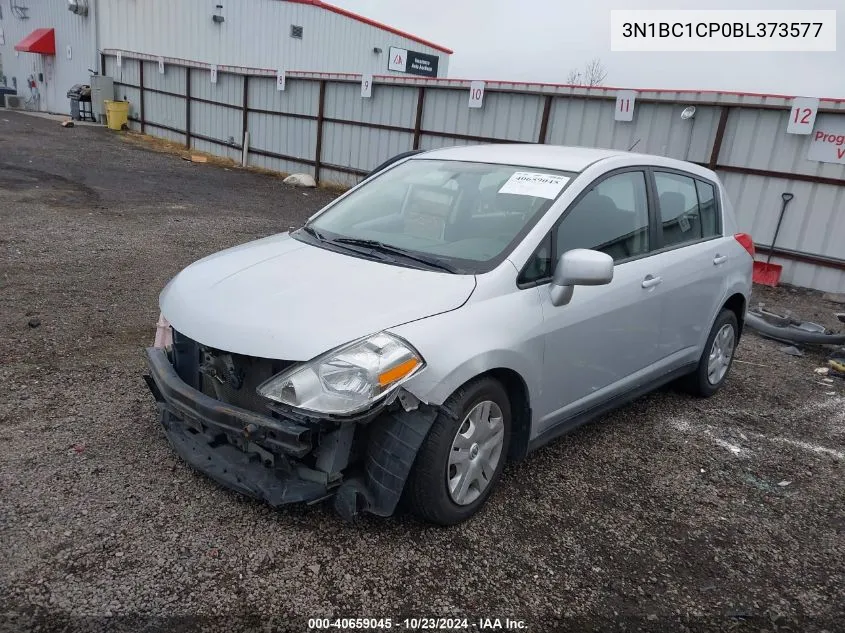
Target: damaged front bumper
362	464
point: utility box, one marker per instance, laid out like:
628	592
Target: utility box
102	90
6	91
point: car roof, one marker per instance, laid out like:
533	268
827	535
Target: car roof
564	158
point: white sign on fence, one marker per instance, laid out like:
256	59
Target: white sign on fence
161	65
280	80
119	59
625	102
802	116
476	94
366	86
213	73
827	145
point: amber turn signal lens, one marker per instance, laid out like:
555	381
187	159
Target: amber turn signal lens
397	373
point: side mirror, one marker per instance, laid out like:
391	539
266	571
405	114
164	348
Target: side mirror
579	267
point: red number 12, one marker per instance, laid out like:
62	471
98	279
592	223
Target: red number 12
804	119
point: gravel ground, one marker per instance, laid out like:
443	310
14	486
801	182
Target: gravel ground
670	512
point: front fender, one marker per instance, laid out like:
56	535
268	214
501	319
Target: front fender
486	333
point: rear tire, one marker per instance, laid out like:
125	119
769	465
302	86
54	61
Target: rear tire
454	471
716	358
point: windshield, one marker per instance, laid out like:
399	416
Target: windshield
465	216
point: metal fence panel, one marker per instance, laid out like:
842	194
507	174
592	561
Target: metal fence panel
340	178
428	141
298	97
128	72
279	165
757	139
389	105
813	223
165	110
231	153
217	122
361	148
228	89
509	116
173	79
283	135
656	128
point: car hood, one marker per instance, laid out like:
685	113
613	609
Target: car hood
281	298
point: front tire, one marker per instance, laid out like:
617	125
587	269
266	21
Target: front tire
463	456
716	358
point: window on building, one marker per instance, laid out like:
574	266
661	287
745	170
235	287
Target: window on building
612	218
296	31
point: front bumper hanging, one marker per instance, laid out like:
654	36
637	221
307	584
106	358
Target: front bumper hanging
230	444
261	455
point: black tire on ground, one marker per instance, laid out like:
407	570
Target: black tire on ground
426	492
697	383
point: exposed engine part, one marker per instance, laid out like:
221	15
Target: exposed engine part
221	368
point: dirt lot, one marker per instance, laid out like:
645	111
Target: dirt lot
668	511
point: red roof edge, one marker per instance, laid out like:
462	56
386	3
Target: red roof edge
360	18
39	41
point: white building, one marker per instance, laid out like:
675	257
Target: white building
46	48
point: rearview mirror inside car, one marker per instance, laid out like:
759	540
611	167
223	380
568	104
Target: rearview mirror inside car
579	267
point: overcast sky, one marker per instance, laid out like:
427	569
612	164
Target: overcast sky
541	40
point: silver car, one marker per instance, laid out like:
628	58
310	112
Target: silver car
457	309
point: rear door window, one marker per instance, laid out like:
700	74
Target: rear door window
688	209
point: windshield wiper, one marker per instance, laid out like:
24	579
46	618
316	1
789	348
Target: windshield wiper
381	247
314	232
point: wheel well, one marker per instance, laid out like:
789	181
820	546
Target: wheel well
736	304
520	410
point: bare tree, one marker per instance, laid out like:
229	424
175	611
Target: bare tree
574	77
594	74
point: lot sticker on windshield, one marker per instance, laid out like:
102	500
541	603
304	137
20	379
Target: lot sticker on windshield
528	183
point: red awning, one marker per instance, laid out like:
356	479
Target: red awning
39	41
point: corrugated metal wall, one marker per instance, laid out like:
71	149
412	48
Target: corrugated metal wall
59	72
757	160
255	33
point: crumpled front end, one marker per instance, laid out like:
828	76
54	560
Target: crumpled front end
217	423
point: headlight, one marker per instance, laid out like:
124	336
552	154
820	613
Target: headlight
348	379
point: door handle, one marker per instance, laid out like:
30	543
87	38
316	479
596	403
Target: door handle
720	259
651	281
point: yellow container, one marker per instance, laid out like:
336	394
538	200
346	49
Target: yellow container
117	114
